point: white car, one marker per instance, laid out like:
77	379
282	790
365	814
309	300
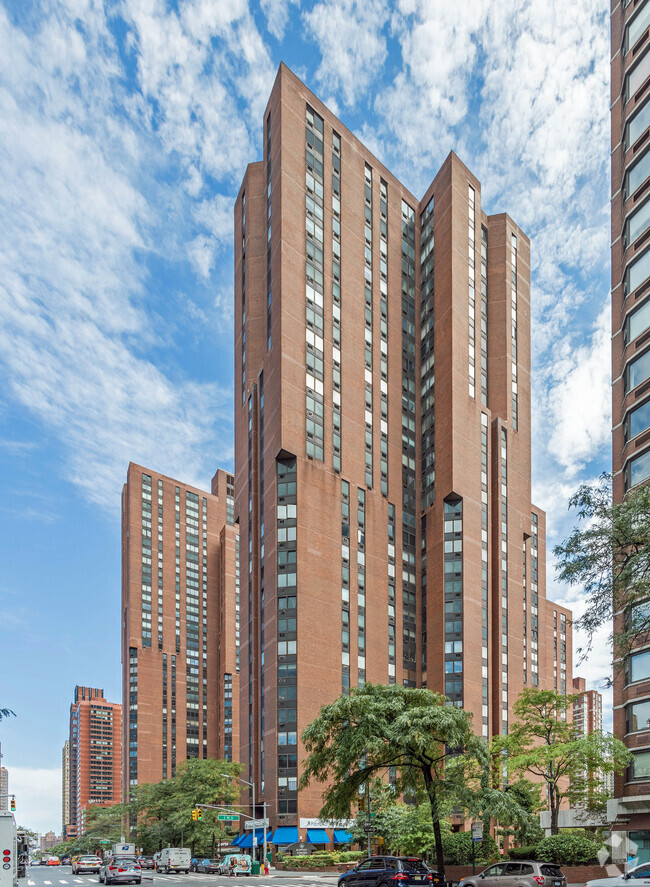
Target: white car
640	874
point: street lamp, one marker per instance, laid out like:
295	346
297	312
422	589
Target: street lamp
252	785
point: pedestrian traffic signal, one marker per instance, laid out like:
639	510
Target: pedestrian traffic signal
197	814
13	804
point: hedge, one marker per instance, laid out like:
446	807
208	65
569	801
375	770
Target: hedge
568	850
457	848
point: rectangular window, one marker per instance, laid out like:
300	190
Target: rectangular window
637	27
637	371
638	223
637	125
637	173
637	421
637	76
638	272
640	765
637	716
636	471
638	667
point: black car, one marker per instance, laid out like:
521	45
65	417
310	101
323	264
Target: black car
379	871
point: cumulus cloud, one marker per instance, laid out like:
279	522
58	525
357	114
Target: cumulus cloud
349	35
277	15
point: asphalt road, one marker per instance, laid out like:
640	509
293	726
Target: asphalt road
61	876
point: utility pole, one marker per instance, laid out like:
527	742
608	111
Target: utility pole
368	816
264	826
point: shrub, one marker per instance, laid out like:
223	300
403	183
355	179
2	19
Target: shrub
527	852
457	848
568	850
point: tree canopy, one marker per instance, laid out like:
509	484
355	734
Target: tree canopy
404	733
543	743
608	555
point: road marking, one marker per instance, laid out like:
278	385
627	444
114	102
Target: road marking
31	883
47	882
62	882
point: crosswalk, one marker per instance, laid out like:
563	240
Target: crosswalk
308	880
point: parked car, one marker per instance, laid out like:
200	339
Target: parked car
146	862
120	870
194	861
379	871
53	860
518	874
88	863
209	866
639	873
238	863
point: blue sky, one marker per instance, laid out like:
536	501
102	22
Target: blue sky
125	130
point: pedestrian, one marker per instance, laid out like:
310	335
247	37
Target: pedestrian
232	867
266	866
630	862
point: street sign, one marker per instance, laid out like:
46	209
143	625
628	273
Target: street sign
477	831
228	817
256	823
254	840
369	828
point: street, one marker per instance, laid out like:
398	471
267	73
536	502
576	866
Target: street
61	876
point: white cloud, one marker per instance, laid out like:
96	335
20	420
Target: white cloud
578	397
38	798
352	45
277	15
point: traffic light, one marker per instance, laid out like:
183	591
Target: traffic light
13	804
197	814
200	815
362	804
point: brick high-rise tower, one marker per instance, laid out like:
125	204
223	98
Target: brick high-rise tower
180	623
382	444
630	142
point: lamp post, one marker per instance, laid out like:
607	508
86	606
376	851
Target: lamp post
252	785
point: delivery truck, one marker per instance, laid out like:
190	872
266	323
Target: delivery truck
174	859
13	847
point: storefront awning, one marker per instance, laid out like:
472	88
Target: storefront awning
341	836
285	835
247	840
317	836
235	841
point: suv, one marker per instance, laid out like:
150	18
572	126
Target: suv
120	869
518	874
379	871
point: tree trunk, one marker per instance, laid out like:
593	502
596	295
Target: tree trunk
435	819
554	806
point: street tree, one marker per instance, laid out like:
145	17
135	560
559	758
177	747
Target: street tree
164	809
6	713
608	555
407	733
543	743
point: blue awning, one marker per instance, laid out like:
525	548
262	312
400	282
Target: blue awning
341	836
287	834
317	836
235	841
247	839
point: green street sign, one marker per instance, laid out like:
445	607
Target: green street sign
228	817
104	842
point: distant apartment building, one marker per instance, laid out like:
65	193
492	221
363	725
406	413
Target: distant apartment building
587	708
630	262
93	755
49	840
4	788
65	787
180	623
382	446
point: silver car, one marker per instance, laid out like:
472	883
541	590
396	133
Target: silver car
526	873
84	864
120	870
640	873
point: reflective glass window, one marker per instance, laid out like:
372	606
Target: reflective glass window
638	173
637	371
637	76
638	716
638	272
637	125
637	223
637	26
637	470
637	420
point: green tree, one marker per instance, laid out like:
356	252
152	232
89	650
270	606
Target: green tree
381	729
102	822
608	555
543	743
164	809
6	713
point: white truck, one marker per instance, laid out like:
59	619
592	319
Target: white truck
11	849
123	850
174	859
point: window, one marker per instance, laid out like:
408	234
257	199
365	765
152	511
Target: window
637	26
637	420
637	272
636	471
638	173
638	667
640	767
638	320
637	371
637	717
639	222
637	125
